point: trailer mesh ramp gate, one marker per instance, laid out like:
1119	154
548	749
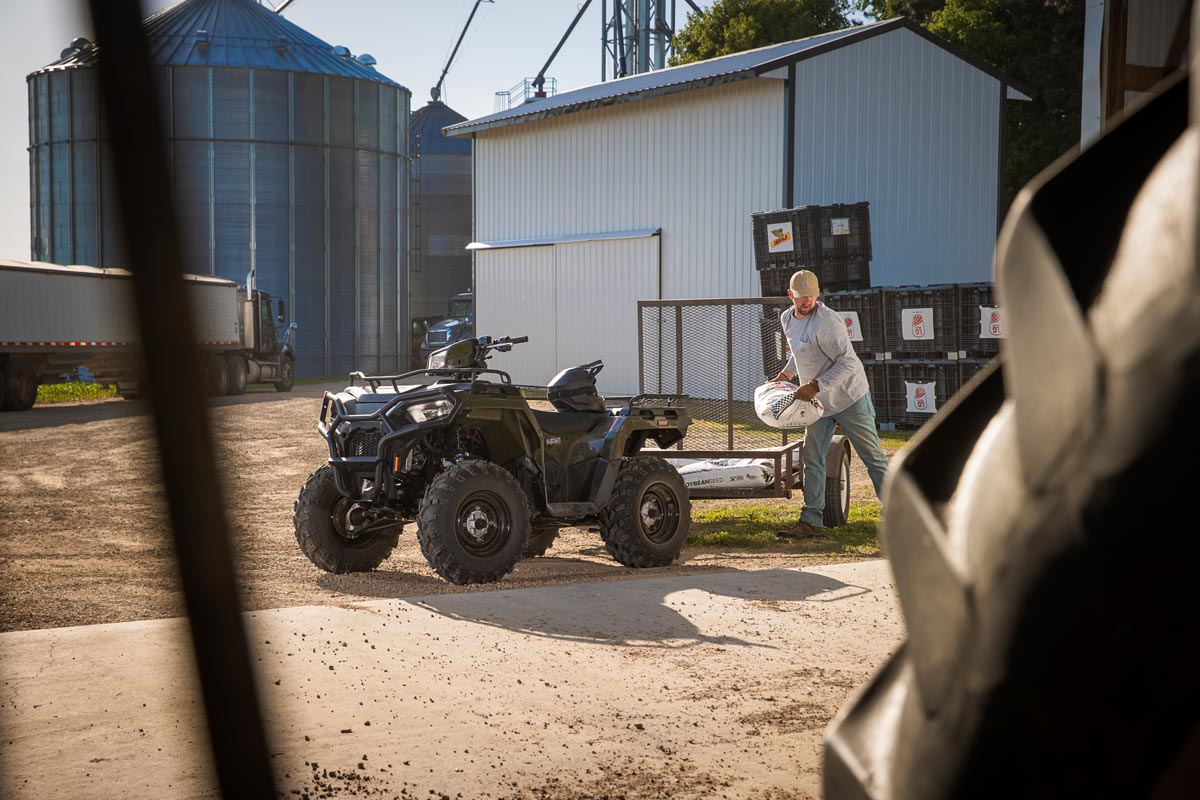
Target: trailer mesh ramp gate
717	352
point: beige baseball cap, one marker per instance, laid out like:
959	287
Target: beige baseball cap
804	284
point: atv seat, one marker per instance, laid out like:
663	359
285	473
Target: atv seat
570	421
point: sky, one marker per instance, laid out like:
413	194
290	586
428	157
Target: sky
508	41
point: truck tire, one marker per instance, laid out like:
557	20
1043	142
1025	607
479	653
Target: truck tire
837	492
473	523
237	374
321	533
20	385
647	521
287	375
218	377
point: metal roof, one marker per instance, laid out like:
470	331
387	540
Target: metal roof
428	122
724	69
234	33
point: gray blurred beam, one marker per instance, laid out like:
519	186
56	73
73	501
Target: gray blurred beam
189	476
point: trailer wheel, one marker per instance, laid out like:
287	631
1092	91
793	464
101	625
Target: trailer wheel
287	375
237	374
319	518
20	385
647	521
837	492
218	376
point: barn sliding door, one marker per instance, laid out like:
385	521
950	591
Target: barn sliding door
577	302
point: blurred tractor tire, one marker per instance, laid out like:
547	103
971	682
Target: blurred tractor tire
1053	648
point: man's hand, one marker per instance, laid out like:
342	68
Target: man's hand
784	376
808	391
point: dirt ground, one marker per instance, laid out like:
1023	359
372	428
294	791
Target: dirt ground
84	531
84	540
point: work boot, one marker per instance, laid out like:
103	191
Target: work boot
803	530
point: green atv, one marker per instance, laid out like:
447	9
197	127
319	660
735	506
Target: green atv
487	478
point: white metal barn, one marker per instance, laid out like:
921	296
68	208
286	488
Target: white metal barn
642	188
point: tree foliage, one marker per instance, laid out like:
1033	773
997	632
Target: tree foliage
732	26
1039	43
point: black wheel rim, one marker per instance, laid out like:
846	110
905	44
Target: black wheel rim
483	524
658	513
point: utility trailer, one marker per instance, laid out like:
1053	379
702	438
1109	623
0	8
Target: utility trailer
711	354
54	319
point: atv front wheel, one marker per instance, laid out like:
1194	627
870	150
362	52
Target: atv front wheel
473	523
647	521
320	520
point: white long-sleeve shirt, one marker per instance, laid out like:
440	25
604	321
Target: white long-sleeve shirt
821	349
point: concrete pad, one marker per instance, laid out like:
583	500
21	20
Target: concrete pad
716	685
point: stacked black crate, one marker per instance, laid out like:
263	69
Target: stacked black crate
921	328
784	242
843	240
918	389
877	381
862	312
980	327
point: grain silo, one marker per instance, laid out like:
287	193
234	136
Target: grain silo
441	210
289	156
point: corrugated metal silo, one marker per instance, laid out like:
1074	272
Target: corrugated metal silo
441	210
288	156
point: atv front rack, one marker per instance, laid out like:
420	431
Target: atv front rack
375	381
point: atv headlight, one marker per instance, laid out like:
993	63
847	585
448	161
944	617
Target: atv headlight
437	360
424	412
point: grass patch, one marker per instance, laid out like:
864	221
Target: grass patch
751	525
74	392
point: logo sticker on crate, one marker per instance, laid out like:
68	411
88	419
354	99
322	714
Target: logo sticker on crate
921	398
779	237
916	324
839	226
853	328
991	322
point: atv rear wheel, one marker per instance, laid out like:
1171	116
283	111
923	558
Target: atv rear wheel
320	514
647	521
473	523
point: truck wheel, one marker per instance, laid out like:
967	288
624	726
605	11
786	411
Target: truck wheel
539	541
473	523
287	375
319	517
218	377
837	493
236	366
20	385
647	521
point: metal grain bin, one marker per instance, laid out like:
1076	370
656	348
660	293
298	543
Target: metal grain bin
288	157
441	210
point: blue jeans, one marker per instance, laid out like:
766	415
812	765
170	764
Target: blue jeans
858	423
